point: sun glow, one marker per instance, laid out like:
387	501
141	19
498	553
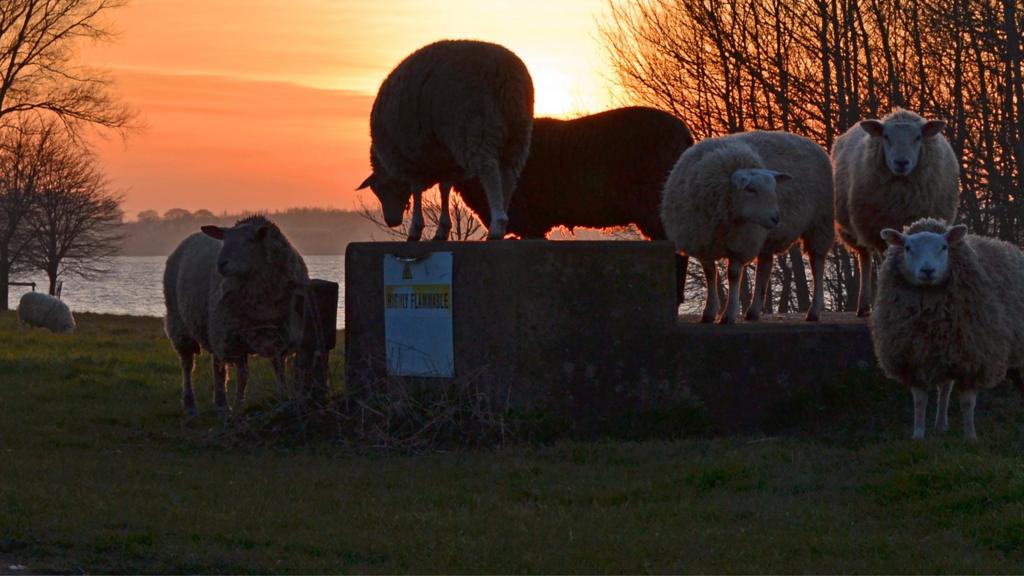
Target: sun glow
266	104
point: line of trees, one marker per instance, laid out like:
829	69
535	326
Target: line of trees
816	67
57	213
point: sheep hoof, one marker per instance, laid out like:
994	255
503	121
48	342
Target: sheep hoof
726	320
752	317
439	238
224	410
812	316
707	318
190	412
864	313
412	238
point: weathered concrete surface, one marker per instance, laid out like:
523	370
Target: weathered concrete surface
585	334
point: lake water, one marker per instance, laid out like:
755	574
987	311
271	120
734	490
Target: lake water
134	286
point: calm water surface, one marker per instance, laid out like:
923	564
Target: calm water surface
134	286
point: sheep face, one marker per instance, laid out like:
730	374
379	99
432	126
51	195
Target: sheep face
243	248
393	194
925	255
902	141
754	196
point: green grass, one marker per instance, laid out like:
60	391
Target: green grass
99	472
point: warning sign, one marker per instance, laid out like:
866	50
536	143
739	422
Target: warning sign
418	315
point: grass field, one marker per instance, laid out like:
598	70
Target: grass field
99	472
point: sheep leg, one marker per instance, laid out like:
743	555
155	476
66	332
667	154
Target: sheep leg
942	414
282	384
818	300
491	181
733	304
242	375
764	272
416	225
188	397
968	399
864	296
920	409
444	222
220	386
682	263
711	302
509	179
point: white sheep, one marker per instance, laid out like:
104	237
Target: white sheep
45	311
889	173
950	307
452	111
733	197
232	291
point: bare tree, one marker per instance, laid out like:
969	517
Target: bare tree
38	69
19	175
75	226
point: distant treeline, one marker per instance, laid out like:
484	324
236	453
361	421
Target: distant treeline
311	230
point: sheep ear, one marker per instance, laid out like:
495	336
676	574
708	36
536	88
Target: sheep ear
893	237
932	127
956	234
873	127
781	177
213	232
261	232
740	179
370	180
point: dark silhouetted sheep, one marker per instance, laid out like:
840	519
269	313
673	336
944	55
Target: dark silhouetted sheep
451	111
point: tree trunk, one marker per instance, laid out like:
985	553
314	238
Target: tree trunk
4	288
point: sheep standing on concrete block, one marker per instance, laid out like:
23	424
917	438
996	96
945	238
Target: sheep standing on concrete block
452	111
950	308
45	311
733	197
889	173
602	170
607	169
232	292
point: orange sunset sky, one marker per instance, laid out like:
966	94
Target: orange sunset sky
264	104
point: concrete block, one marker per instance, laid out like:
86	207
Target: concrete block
586	335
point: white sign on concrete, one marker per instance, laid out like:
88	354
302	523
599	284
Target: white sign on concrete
418	315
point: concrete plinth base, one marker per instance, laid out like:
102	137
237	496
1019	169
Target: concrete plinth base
585	335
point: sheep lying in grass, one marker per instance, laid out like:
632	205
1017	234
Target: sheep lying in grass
45	311
452	111
733	197
950	307
888	174
231	291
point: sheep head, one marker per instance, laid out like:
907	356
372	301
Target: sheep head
902	141
244	247
393	194
754	197
925	255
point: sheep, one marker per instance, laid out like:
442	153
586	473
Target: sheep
45	311
451	111
889	173
733	197
602	170
231	291
950	307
